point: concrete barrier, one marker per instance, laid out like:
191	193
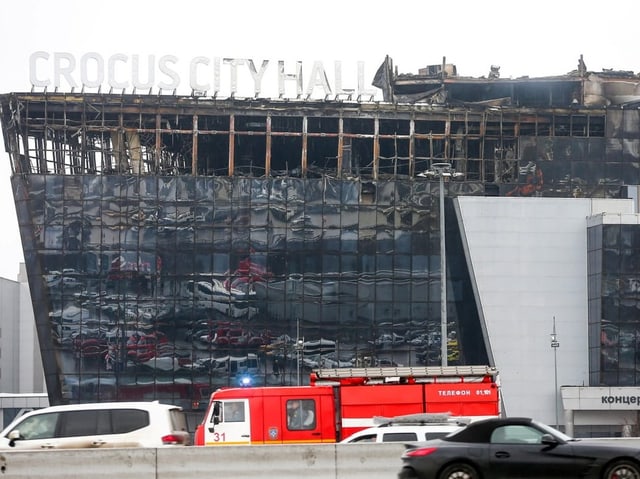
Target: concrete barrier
312	461
317	461
79	463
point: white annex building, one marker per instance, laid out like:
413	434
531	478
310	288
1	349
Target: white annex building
529	264
22	385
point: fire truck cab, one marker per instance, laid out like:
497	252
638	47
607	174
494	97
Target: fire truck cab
340	402
270	415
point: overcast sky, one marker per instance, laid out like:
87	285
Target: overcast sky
538	38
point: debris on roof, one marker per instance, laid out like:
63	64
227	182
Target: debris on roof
441	85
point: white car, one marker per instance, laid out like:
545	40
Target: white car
100	425
410	428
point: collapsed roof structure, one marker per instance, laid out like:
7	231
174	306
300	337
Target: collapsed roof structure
441	84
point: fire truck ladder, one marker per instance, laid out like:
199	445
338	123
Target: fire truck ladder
418	374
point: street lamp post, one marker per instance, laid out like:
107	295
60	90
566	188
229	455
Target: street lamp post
444	335
299	347
299	351
442	171
555	345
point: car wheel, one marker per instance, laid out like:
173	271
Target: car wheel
460	471
622	470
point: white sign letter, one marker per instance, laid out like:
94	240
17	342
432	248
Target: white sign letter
282	76
84	69
257	76
193	74
338	72
318	78
216	76
163	65
33	76
234	62
361	88
63	71
113	83
135	70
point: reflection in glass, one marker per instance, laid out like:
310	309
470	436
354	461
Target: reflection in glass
181	290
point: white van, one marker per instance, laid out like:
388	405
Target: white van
105	425
409	428
404	433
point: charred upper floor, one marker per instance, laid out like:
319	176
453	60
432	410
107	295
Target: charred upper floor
489	129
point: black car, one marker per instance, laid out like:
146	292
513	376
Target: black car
521	448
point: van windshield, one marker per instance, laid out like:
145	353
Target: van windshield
40	426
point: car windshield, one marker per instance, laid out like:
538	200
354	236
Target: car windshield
483	431
553	431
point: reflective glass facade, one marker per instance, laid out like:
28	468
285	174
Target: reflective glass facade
154	282
614	302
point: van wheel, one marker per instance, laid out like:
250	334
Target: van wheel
459	471
622	470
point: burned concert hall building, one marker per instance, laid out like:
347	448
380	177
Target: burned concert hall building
176	244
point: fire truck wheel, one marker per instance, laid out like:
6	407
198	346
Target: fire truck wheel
459	470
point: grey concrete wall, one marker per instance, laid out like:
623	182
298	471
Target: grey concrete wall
317	461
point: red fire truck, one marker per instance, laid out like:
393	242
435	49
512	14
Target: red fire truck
339	402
